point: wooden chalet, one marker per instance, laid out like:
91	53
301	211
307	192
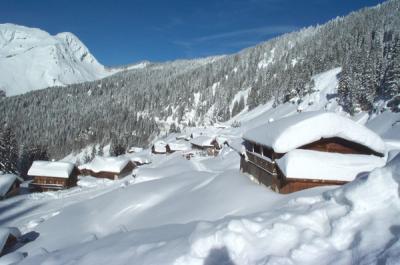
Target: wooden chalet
8	239
134	149
108	167
310	149
48	175
9	185
159	148
177	146
207	144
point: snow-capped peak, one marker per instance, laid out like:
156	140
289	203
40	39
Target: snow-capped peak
32	59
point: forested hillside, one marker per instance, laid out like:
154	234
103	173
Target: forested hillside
133	106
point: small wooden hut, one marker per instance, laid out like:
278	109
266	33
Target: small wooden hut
8	238
310	149
48	175
207	144
177	146
159	147
108	167
9	185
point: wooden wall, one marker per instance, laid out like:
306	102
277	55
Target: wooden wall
269	174
339	145
43	183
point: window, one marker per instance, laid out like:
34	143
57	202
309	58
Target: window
248	146
257	149
267	152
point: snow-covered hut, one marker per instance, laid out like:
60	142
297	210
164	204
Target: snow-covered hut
183	137
49	175
177	146
310	149
206	143
8	238
159	147
9	185
108	167
134	149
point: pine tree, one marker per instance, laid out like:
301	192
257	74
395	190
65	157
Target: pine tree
8	151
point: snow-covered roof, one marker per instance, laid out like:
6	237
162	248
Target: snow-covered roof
183	137
295	131
5	232
160	147
6	182
135	149
203	140
309	164
179	146
106	164
51	169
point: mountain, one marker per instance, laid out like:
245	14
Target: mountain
32	59
135	106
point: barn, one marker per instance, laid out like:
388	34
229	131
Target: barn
8	238
108	167
49	175
207	144
9	185
310	149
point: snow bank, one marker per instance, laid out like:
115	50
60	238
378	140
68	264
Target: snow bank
308	164
292	132
6	182
106	164
203	140
12	258
354	224
51	169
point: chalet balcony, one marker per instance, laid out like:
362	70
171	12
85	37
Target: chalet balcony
263	162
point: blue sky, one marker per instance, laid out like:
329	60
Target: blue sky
121	32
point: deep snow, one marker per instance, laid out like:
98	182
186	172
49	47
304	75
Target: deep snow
204	211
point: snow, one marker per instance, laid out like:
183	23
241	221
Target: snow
179	146
204	211
6	182
106	164
308	164
135	149
32	59
295	131
238	96
160	147
51	169
12	258
352	224
203	140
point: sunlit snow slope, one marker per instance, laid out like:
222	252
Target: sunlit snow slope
203	211
32	59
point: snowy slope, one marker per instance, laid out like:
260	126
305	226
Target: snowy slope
31	59
204	211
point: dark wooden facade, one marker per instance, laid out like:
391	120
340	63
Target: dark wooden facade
44	183
212	149
260	163
14	190
108	174
10	243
